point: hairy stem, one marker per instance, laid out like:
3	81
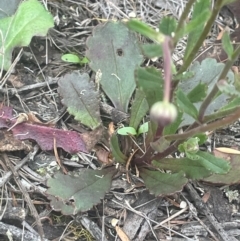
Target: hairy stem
215	89
167	69
172	148
198	45
207	102
219	114
182	20
205	127
230	63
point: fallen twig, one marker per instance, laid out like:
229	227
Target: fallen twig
203	207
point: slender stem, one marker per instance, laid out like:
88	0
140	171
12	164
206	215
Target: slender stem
230	63
205	127
198	45
206	102
219	114
158	133
167	69
182	20
215	89
172	148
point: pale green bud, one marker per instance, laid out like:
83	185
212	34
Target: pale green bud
164	113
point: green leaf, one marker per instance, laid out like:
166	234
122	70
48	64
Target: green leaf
145	30
73	194
84	60
168	25
231	105
173	127
190	148
150	81
143	128
212	163
152	128
115	149
198	93
114	50
125	131
199	16
192	168
194	23
232	176
81	98
185	104
237	81
183	76
152	50
73	58
163	183
227	88
202	138
160	145
139	109
205	73
227	45
31	19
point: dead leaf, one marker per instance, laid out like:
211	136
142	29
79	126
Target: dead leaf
15	80
206	196
91	138
228	150
33	119
219	37
9	143
103	155
22	117
121	234
111	129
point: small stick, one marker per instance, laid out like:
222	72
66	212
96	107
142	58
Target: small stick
8	174
217	226
26	195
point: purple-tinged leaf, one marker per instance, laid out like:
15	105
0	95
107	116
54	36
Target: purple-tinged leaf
70	141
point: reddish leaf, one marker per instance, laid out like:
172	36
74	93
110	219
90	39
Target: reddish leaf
70	141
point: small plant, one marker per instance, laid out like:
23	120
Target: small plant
200	96
74	58
31	19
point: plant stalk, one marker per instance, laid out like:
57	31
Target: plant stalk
205	127
182	20
219	114
215	89
229	63
187	63
167	68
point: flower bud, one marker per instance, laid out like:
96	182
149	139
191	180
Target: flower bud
164	113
